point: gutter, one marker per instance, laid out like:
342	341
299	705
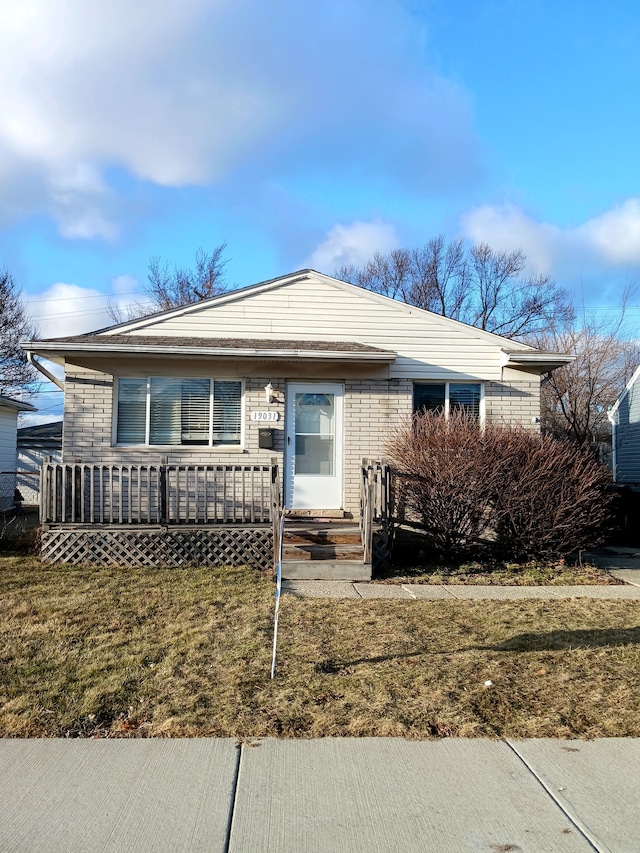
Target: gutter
219	352
535	358
42	369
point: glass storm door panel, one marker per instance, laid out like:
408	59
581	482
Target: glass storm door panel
314	446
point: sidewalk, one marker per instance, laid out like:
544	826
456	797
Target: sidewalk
621	563
347	589
372	795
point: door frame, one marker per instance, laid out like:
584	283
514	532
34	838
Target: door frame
332	387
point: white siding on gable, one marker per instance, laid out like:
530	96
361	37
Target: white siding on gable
313	309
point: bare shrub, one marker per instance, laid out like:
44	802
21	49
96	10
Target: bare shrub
446	475
552	499
538	496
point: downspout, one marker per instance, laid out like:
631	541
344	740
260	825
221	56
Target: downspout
39	367
612	420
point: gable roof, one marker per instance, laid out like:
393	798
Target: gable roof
613	410
133	326
309	315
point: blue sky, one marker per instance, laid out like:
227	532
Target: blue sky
312	135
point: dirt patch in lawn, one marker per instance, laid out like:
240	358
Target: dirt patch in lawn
186	652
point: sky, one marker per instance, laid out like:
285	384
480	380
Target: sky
311	135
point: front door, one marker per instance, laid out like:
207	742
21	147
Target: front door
313	455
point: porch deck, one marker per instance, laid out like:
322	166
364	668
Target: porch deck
177	515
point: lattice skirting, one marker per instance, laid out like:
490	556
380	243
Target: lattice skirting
159	547
381	549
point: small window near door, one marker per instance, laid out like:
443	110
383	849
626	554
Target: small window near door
447	397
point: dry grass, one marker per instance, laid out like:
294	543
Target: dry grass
488	573
186	652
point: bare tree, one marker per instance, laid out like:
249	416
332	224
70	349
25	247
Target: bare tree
172	286
575	398
15	326
472	283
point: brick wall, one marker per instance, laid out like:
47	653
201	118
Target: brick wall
514	402
371	407
88	427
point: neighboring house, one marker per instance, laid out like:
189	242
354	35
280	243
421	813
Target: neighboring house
304	369
9	410
625	435
35	445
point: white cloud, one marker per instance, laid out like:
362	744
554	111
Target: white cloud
615	235
352	244
180	92
508	228
79	198
611	239
67	309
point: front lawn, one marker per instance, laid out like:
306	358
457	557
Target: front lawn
186	652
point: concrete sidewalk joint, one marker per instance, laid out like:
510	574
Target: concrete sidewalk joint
570	814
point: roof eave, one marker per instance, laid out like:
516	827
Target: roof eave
17	405
216	352
541	360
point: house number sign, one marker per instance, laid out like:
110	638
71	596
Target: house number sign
265	417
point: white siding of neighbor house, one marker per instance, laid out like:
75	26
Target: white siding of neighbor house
29	462
8	434
627	438
428	346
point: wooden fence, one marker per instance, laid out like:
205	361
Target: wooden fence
158	494
376	507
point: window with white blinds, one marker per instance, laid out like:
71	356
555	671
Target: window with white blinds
448	397
167	410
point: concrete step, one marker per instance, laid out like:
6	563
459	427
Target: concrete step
314	551
326	570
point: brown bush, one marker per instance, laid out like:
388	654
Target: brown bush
537	496
446	477
553	496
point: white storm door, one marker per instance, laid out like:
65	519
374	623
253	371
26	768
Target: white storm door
313	453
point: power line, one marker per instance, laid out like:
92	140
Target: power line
93	296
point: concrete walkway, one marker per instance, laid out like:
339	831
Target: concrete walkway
373	795
347	589
621	563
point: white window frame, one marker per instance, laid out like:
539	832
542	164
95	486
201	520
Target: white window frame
182	447
447	384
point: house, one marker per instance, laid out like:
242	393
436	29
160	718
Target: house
304	371
624	416
9	410
36	444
